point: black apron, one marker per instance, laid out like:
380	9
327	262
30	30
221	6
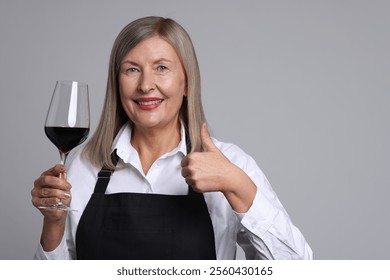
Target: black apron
144	226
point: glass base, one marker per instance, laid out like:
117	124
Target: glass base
58	206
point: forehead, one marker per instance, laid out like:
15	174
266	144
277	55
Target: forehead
153	48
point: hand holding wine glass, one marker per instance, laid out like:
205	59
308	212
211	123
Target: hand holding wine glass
67	122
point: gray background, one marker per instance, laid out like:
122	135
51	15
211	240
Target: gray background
302	86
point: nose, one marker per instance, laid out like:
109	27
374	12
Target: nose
146	82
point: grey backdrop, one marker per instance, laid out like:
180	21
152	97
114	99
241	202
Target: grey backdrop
302	86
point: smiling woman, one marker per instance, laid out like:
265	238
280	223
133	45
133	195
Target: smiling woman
152	183
174	45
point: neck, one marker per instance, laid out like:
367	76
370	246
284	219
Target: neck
152	143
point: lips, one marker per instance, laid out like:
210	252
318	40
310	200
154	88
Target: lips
149	103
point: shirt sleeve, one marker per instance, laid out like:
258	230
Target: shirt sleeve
59	253
267	233
265	230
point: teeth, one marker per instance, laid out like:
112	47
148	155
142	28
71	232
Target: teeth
148	103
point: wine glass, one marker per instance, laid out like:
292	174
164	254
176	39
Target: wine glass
67	122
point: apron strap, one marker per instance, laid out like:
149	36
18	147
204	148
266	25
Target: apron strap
104	175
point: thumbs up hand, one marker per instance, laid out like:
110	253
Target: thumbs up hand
211	171
205	171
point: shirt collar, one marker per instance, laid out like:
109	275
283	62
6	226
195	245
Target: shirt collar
126	151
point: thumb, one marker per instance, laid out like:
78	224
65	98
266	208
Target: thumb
207	142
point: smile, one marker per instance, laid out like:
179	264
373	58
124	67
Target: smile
148	103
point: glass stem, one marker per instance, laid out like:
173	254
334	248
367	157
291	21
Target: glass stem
63	157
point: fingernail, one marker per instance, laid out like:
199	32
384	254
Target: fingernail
67	194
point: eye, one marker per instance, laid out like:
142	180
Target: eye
132	70
162	68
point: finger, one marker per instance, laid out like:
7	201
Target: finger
196	188
49	196
207	142
56	171
189	182
49	201
47	192
184	162
39	193
185	172
39	201
52	182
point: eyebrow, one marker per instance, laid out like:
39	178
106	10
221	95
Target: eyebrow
129	62
158	61
162	60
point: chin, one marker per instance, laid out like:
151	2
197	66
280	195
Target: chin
147	123
153	124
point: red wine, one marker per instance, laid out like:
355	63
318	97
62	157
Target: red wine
66	138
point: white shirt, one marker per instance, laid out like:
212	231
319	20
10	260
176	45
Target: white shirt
264	232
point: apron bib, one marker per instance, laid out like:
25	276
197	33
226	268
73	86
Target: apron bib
144	226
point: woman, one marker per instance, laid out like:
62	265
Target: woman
151	183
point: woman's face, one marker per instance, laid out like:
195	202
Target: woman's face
152	84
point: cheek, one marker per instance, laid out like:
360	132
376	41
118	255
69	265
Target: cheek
125	97
122	91
178	87
126	89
